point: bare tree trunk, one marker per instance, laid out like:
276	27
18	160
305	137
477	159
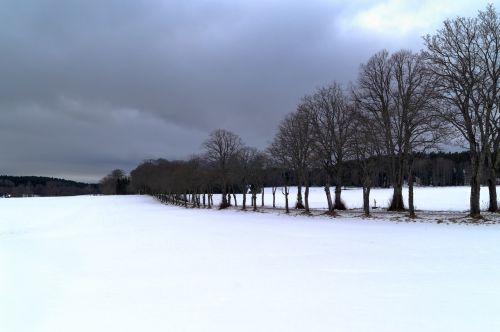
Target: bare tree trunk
224	204
196	199
254	200
411	206
204	200
244	199
493	206
475	189
397	203
328	194
397	199
235	201
329	197
306	197
492	185
286	192
339	205
366	200
300	202
338	201
262	197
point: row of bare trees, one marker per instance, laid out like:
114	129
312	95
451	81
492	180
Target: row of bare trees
227	167
401	104
463	58
390	111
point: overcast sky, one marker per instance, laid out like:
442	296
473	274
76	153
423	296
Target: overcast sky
89	86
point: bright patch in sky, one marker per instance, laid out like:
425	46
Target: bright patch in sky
396	17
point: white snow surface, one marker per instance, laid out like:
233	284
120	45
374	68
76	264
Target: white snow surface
132	264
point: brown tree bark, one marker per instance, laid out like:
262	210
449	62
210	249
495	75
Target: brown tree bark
492	188
366	200
475	189
339	205
306	198
328	197
274	196
286	192
244	200
411	206
492	184
235	201
300	202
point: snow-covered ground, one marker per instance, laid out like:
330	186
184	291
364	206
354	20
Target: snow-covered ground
132	264
425	198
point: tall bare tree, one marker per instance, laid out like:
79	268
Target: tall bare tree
396	93
417	126
221	148
292	146
488	40
454	55
330	114
251	164
374	94
365	144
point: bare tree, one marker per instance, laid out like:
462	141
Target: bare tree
292	147
489	57
374	94
221	148
330	115
454	55
365	144
250	173
256	168
396	93
417	126
272	176
281	172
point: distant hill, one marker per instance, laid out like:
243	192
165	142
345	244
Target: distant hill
18	186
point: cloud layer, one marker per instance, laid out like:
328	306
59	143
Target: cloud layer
89	86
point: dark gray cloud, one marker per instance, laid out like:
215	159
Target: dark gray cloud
87	86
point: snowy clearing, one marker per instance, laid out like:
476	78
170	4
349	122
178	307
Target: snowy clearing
131	264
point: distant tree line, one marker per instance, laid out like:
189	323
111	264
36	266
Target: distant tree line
380	129
19	186
115	183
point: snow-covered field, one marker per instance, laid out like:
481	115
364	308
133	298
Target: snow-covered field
132	264
425	198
